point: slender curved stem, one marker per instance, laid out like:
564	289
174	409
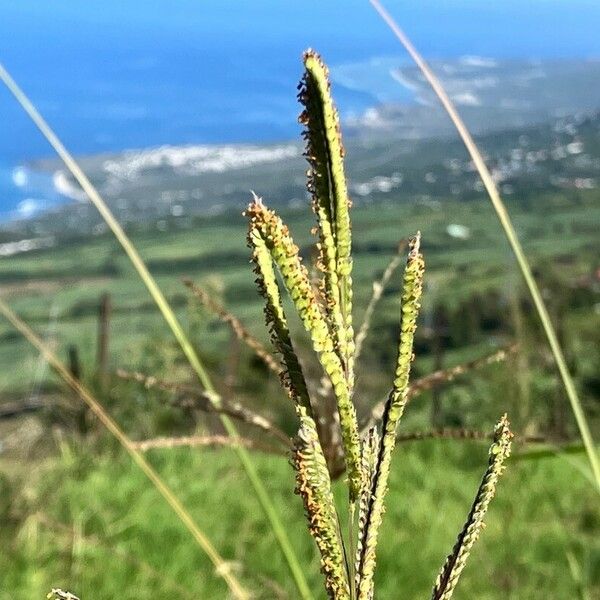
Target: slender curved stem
137	457
169	316
510	233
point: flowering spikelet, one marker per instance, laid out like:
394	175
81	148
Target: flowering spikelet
268	233
292	377
411	295
314	485
456	561
369	464
327	185
58	594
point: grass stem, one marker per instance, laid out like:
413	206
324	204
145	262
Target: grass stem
169	316
206	545
510	233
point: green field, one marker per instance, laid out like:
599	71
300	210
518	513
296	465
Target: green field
67	281
75	513
121	542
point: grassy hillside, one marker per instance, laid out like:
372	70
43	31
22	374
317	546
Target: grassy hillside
95	526
67	281
80	516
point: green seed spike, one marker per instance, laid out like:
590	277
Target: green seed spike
411	295
268	231
456	561
327	185
314	485
292	376
370	449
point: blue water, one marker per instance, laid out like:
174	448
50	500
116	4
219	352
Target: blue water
112	75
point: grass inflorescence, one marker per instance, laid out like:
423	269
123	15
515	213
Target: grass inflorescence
348	558
348	563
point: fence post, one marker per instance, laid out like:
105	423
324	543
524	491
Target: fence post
104	314
74	363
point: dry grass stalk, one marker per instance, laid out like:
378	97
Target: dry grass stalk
441	377
220	564
444	376
450	433
511	236
378	289
191	397
204	441
238	328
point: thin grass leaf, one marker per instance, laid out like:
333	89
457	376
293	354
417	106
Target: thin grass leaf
269	236
456	561
511	236
327	185
411	296
314	485
220	565
171	320
238	328
443	376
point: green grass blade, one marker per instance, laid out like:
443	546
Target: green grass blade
511	236
136	455
169	316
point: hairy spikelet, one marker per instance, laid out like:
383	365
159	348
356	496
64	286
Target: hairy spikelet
327	185
456	561
411	295
314	485
58	594
292	376
267	235
370	449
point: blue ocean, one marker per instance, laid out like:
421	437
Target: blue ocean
114	75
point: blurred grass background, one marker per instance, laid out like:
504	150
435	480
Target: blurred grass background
75	513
